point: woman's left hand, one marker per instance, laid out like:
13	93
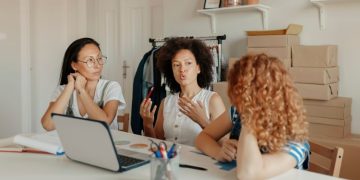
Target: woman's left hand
194	110
80	81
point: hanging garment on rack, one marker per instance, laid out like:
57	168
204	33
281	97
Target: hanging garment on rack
142	83
148	73
215	55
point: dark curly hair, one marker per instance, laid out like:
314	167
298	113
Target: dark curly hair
262	90
202	56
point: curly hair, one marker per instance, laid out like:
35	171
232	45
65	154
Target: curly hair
270	106
202	56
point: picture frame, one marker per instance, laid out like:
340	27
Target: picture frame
211	4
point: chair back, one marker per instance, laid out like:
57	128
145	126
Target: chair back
325	160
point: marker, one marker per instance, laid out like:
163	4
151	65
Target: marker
157	154
171	152
163	151
149	93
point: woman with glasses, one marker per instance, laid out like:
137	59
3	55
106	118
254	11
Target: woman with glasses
81	91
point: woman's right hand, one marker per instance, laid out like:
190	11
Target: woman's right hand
228	151
146	113
71	81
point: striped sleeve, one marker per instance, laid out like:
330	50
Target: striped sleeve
300	151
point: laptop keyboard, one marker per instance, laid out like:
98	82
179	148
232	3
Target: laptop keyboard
127	161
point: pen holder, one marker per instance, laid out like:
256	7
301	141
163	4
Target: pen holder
164	169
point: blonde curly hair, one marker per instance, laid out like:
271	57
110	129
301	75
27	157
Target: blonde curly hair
270	106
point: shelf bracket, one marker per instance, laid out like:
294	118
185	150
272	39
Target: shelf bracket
322	14
265	16
212	22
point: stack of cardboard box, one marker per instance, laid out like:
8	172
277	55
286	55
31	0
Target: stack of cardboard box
221	88
315	72
316	76
329	118
274	45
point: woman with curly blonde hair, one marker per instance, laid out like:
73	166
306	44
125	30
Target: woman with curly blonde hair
273	137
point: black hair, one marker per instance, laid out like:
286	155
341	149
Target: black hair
202	56
71	55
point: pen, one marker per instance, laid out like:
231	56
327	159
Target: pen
192	167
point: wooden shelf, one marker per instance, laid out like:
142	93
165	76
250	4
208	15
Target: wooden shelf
321	5
333	1
256	7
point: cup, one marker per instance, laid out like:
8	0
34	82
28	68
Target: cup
229	3
164	169
250	2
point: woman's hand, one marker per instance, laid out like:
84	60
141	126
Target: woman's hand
228	151
146	113
71	82
194	111
80	81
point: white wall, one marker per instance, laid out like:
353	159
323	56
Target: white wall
48	41
10	76
343	27
33	37
53	24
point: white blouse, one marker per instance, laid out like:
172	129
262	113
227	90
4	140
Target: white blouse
178	127
112	92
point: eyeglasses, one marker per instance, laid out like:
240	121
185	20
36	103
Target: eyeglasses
90	61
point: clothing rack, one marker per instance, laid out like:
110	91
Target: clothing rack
154	42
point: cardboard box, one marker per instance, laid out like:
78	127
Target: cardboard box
283	53
273	41
329	121
325	130
231	62
337	108
279	52
319	92
336	102
292	29
221	88
314	56
351	160
315	75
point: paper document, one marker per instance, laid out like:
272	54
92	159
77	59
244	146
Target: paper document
48	142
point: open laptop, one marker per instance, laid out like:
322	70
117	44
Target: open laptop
90	141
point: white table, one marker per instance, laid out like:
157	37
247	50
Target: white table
42	166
